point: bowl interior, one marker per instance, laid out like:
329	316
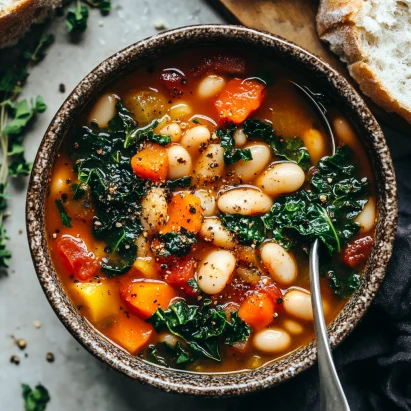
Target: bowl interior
126	61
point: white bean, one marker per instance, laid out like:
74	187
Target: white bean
271	340
154	209
210	165
59	179
215	271
173	130
180	111
208	202
248	170
282	178
244	201
210	86
168	338
195	138
366	219
213	231
179	162
293	327
103	110
239	137
344	131
297	303
279	263
314	141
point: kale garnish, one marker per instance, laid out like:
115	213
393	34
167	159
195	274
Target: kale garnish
176	243
291	149
248	229
343	281
326	211
231	153
35	400
201	328
65	219
179	182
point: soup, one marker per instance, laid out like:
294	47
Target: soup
183	204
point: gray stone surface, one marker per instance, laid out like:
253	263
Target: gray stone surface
76	380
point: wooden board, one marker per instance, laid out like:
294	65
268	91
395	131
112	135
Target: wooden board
295	21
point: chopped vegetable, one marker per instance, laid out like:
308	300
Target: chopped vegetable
357	252
239	99
151	163
77	260
130	332
257	310
65	219
144	297
175	243
202	328
35	400
249	229
184	211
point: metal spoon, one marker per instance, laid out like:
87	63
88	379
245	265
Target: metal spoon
332	397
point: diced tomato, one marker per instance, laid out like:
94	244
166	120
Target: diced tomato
76	258
257	310
267	286
235	291
357	252
184	211
177	271
143	297
151	163
132	333
239	99
173	80
220	64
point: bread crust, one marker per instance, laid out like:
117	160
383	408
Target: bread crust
17	19
336	25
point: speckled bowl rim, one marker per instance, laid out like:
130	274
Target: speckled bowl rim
124	61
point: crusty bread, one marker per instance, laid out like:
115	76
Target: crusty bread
16	17
374	38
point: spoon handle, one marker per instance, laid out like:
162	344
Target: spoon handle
332	397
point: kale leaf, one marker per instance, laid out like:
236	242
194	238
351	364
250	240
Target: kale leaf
342	279
328	209
65	219
179	182
35	400
231	153
291	149
103	164
202	328
132	134
248	229
176	243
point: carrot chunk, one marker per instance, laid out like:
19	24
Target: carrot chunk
131	333
239	99
184	211
143	297
151	163
77	260
257	311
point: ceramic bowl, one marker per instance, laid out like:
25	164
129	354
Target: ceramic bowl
125	61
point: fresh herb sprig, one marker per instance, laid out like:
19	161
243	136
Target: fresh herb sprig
15	117
77	17
35	399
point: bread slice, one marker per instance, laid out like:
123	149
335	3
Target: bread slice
374	38
16	17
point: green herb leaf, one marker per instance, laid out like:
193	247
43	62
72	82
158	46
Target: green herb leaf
39	52
291	149
343	281
35	400
248	229
194	285
176	243
78	190
5	254
65	219
76	19
202	328
179	182
231	153
155	357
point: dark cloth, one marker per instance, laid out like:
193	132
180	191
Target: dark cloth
374	362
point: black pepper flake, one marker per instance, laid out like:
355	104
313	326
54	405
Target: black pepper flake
279	300
50	357
15	360
192	210
62	88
